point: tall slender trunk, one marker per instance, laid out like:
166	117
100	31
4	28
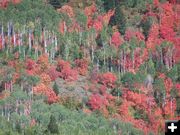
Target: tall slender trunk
161	54
92	53
2	34
133	59
104	54
24	52
111	64
14	37
9	30
97	64
56	43
29	37
45	42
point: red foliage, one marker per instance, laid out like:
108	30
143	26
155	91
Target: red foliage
53	73
167	24
43	61
69	74
168	85
102	89
62	26
109	97
177	86
62	65
45	90
129	34
33	122
30	64
169	108
82	66
67	10
96	102
98	22
156	2
97	25
89	11
116	39
108	79
4	3
45	79
107	16
153	38
66	72
16	1
138	99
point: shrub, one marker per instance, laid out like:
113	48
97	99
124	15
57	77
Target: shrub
96	102
53	73
30	64
128	79
53	126
108	79
82	66
116	92
56	88
66	72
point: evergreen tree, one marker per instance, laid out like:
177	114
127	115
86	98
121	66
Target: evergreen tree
57	3
53	126
119	19
56	88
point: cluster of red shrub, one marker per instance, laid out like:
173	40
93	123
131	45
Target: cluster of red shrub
66	72
45	90
108	79
82	66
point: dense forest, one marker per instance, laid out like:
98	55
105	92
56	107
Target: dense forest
89	67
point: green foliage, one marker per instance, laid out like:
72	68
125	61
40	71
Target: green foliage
159	91
178	106
151	68
57	3
64	121
174	73
56	88
138	113
146	25
109	4
128	79
53	126
116	92
33	12
72	103
119	19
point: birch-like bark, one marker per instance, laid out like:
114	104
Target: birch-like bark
29	39
14	37
56	44
45	42
2	34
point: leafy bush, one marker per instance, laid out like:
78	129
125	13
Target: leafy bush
108	79
96	102
53	127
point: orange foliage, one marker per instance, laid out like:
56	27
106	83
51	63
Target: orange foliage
82	66
66	72
45	78
43	62
45	90
89	11
116	39
108	79
67	10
